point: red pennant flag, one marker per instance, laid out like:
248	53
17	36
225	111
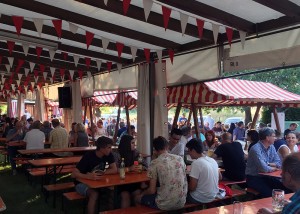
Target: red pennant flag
126	4
166	14
171	55
40	84
120	47
38	51
80	74
25	83
147	54
65	55
57	24
200	24
109	64
18	22
62	72
20	64
10	45
229	32
42	68
89	38
87	62
36	73
10	80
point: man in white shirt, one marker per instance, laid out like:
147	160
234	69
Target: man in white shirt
176	145
35	138
204	175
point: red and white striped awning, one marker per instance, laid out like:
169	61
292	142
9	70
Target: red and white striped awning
52	103
111	98
227	92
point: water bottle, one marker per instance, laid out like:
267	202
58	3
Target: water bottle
140	161
122	169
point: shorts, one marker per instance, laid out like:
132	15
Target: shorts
82	189
149	201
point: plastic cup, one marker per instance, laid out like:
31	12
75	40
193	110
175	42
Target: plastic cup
277	200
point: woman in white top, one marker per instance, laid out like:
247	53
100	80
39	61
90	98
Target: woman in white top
290	146
100	129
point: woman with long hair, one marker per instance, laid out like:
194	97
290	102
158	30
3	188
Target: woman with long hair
290	146
81	138
252	137
211	142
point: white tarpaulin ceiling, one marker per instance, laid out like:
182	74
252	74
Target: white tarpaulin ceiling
66	40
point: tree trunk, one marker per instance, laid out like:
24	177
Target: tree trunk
248	116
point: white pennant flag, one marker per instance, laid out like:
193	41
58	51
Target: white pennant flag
51	54
45	75
133	52
25	48
215	29
105	43
36	79
76	59
4	95
51	80
18	82
119	66
20	76
2	76
3	80
89	74
7	68
31	65
26	71
99	62
7	91
62	78
73	28
159	55
13	86
1	87
183	21
71	74
147	7
52	70
105	2
243	38
11	61
38	25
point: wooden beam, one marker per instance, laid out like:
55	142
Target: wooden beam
189	117
128	120
117	125
276	119
201	119
84	114
92	123
256	116
177	112
196	125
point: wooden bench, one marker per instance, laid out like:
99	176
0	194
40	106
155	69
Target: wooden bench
55	188
69	197
230	183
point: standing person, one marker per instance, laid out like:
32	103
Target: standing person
182	120
231	128
121	129
58	137
291	180
89	168
100	129
46	128
35	139
239	132
210	121
289	147
81	138
176	145
167	171
204	175
293	127
111	128
72	134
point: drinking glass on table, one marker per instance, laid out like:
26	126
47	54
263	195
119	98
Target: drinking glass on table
238	207
277	199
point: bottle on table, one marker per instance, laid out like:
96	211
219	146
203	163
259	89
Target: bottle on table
122	169
140	161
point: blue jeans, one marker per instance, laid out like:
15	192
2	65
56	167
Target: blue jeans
82	189
12	152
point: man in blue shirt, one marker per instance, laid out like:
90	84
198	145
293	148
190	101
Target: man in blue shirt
239	132
290	179
263	158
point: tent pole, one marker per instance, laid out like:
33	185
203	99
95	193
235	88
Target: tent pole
128	120
176	115
117	125
189	117
255	115
201	119
276	119
196	125
92	123
84	115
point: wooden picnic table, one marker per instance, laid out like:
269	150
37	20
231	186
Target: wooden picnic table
249	206
57	150
114	180
20	143
275	174
2	205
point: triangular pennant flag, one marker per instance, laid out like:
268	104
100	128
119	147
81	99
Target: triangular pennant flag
45	75
229	33
38	23
126	4
87	62
166	14
120	47
26	71
200	25
3	80
51	54
147	7
11	61
10	45
243	38
215	29
76	59
13	86
51	80
18	22
62	73
20	76
80	74
89	74
159	55
32	86
42	68
31	65
18	82
171	55
73	28
1	87
147	54
105	43
64	55
98	62
7	67
57	25
71	72
89	38
105	2
183	21
38	51
119	66
20	63
35	73
52	70
25	49
133	52
36	79
40	85
109	64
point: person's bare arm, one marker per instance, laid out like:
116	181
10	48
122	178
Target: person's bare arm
112	169
90	175
284	151
151	189
193	184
